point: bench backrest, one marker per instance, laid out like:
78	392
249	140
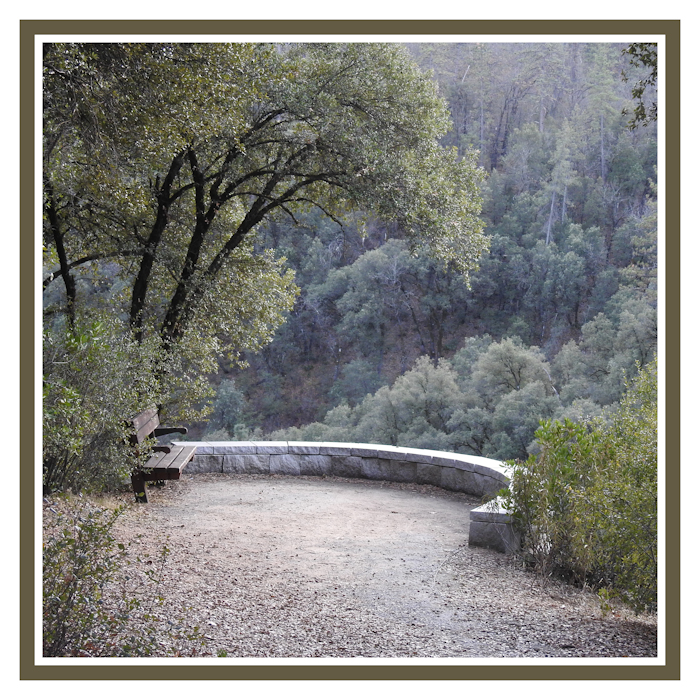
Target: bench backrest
144	425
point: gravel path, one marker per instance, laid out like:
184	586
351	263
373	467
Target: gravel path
329	567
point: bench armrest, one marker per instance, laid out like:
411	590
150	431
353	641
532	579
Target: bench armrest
166	431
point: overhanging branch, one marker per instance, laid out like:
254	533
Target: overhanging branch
86	259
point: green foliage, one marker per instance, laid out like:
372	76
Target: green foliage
153	207
357	379
586	503
95	378
227	136
507	389
643	54
487	401
568	208
389	300
89	608
609	350
490	398
228	408
508	366
172	224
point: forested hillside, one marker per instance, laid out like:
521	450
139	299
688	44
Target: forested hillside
432	245
387	344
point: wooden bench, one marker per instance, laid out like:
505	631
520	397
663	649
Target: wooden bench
167	462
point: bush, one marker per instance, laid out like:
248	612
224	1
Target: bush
89	608
95	379
80	557
586	503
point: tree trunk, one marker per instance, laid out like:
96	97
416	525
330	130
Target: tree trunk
551	217
602	151
563	207
543	111
57	234
481	132
164	200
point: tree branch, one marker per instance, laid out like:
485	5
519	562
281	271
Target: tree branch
89	258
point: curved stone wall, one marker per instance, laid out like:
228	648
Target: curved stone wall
478	476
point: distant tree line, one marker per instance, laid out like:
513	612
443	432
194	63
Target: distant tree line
570	274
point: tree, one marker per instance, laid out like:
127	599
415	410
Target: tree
389	301
90	371
643	55
228	408
487	401
172	186
509	366
506	388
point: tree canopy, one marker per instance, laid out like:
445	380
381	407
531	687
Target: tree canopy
166	157
568	285
161	161
644	55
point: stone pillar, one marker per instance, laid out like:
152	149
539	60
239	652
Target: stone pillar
492	526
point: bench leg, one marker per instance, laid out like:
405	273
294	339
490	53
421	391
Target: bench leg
139	484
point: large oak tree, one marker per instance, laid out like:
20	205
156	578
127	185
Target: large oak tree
160	160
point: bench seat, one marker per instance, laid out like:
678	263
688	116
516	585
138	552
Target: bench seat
167	461
163	466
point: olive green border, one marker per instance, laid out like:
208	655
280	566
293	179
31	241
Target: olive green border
668	28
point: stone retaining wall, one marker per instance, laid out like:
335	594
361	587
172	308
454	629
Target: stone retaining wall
489	524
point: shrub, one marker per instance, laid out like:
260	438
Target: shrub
95	378
89	608
586	503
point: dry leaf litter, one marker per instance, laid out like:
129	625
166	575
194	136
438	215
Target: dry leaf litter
309	567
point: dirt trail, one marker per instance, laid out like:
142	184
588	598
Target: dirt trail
308	567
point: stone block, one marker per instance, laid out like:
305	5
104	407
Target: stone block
303	448
499	536
314	464
246	464
487	467
419	456
346	466
284	464
443	459
486	485
428	474
491	512
469	482
402	471
271	448
203	448
375	469
491	486
336	449
205	464
231	448
389	470
452	479
390	452
364	450
485	470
